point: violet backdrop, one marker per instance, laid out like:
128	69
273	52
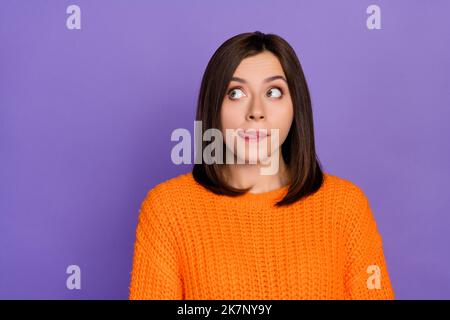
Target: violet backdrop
86	117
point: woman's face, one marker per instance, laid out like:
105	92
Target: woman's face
257	98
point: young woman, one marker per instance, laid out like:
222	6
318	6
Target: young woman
230	231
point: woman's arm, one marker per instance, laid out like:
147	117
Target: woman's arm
155	274
366	276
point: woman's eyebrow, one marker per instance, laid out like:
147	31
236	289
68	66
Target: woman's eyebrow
265	80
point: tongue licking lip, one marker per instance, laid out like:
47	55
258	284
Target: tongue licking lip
253	134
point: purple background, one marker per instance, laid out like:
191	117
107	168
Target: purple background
86	117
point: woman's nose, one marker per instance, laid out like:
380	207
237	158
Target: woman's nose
255	112
255	116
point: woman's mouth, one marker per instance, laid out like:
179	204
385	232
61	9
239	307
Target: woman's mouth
253	134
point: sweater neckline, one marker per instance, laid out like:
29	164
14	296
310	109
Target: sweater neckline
267	196
271	195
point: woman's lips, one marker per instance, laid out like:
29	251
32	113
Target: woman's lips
253	135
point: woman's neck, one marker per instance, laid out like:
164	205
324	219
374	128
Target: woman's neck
249	176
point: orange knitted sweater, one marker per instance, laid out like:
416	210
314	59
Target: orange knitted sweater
193	244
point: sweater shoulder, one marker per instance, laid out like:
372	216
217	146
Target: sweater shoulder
173	184
348	201
348	193
172	193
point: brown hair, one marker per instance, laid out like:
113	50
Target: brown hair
298	150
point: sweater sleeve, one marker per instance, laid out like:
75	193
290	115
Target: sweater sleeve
155	274
366	276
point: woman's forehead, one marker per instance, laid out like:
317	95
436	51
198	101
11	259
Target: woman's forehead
261	65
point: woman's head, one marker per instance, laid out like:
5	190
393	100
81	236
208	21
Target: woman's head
255	81
257	101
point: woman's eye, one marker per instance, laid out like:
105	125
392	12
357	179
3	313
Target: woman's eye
275	92
235	93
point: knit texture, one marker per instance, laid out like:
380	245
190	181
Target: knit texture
193	244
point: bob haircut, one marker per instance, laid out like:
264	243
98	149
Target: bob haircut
298	150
